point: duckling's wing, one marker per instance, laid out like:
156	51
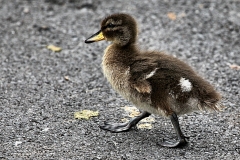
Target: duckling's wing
148	76
156	71
140	71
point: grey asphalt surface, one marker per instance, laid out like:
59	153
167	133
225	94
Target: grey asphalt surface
37	103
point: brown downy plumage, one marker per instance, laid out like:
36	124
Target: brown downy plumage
155	82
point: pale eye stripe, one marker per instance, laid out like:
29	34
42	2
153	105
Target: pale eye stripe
151	73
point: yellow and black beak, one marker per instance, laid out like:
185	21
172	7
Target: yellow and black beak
96	37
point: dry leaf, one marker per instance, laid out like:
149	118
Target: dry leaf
129	109
172	16
234	66
124	120
133	111
85	114
148	119
66	78
134	114
144	126
54	48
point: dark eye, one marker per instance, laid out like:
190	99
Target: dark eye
110	25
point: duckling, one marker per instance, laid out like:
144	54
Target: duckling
154	82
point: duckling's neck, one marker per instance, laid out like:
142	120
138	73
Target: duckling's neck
115	53
116	61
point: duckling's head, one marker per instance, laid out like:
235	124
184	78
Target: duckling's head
121	29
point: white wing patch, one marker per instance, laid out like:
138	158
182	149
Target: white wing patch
185	84
151	73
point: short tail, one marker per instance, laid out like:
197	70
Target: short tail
211	105
214	105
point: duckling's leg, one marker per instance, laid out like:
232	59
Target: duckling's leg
123	127
181	138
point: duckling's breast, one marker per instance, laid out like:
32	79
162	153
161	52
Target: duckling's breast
118	77
114	69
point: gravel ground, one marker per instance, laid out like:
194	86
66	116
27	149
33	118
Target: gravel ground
37	101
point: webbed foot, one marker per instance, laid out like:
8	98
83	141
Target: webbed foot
123	127
116	127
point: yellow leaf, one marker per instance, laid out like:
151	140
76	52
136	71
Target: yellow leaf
145	126
148	119
172	16
124	120
234	66
85	114
133	111
66	78
134	114
54	48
